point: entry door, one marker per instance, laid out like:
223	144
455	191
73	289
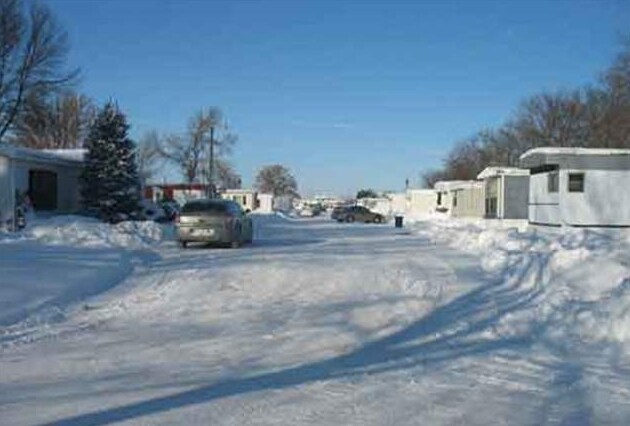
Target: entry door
42	185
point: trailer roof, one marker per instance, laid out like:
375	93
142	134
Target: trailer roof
502	171
577	158
59	157
448	185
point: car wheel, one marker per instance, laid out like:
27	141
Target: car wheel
350	219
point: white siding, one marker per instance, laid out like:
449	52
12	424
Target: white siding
421	202
265	203
68	190
605	200
398	203
246	199
543	206
470	201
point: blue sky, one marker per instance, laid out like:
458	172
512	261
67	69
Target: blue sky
347	94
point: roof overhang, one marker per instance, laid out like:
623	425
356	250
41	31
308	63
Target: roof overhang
39	156
490	172
577	158
455	185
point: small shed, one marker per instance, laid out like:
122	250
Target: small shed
459	198
506	192
49	180
578	186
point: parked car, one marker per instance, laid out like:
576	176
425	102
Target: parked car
337	212
359	214
214	221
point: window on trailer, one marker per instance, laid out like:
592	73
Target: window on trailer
576	182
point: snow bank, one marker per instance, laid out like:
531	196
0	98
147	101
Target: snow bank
87	232
579	279
62	260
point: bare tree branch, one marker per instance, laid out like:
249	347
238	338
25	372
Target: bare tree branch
33	49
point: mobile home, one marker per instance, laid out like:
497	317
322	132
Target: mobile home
460	198
247	198
421	202
506	192
49	180
578	186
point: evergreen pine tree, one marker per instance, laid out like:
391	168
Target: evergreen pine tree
110	185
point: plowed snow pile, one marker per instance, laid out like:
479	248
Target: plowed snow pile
579	279
87	232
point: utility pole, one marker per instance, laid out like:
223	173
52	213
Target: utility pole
211	188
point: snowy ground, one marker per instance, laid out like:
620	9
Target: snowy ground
317	323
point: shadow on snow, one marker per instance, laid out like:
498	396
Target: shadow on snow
450	332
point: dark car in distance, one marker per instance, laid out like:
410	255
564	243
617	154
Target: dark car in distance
338	211
358	214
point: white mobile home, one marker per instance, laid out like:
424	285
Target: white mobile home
421	202
578	186
49	179
245	197
506	192
460	198
398	202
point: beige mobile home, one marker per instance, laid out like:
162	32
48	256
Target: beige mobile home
460	198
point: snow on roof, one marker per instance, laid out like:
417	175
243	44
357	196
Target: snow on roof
238	191
502	171
38	155
449	185
577	158
77	154
574	151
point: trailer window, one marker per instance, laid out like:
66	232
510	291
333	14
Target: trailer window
552	182
576	182
439	200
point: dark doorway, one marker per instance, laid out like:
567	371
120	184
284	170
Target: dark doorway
42	188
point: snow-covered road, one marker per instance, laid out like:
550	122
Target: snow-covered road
317	323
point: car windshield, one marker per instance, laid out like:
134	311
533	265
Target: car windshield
206	207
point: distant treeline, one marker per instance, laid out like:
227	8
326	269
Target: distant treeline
596	116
